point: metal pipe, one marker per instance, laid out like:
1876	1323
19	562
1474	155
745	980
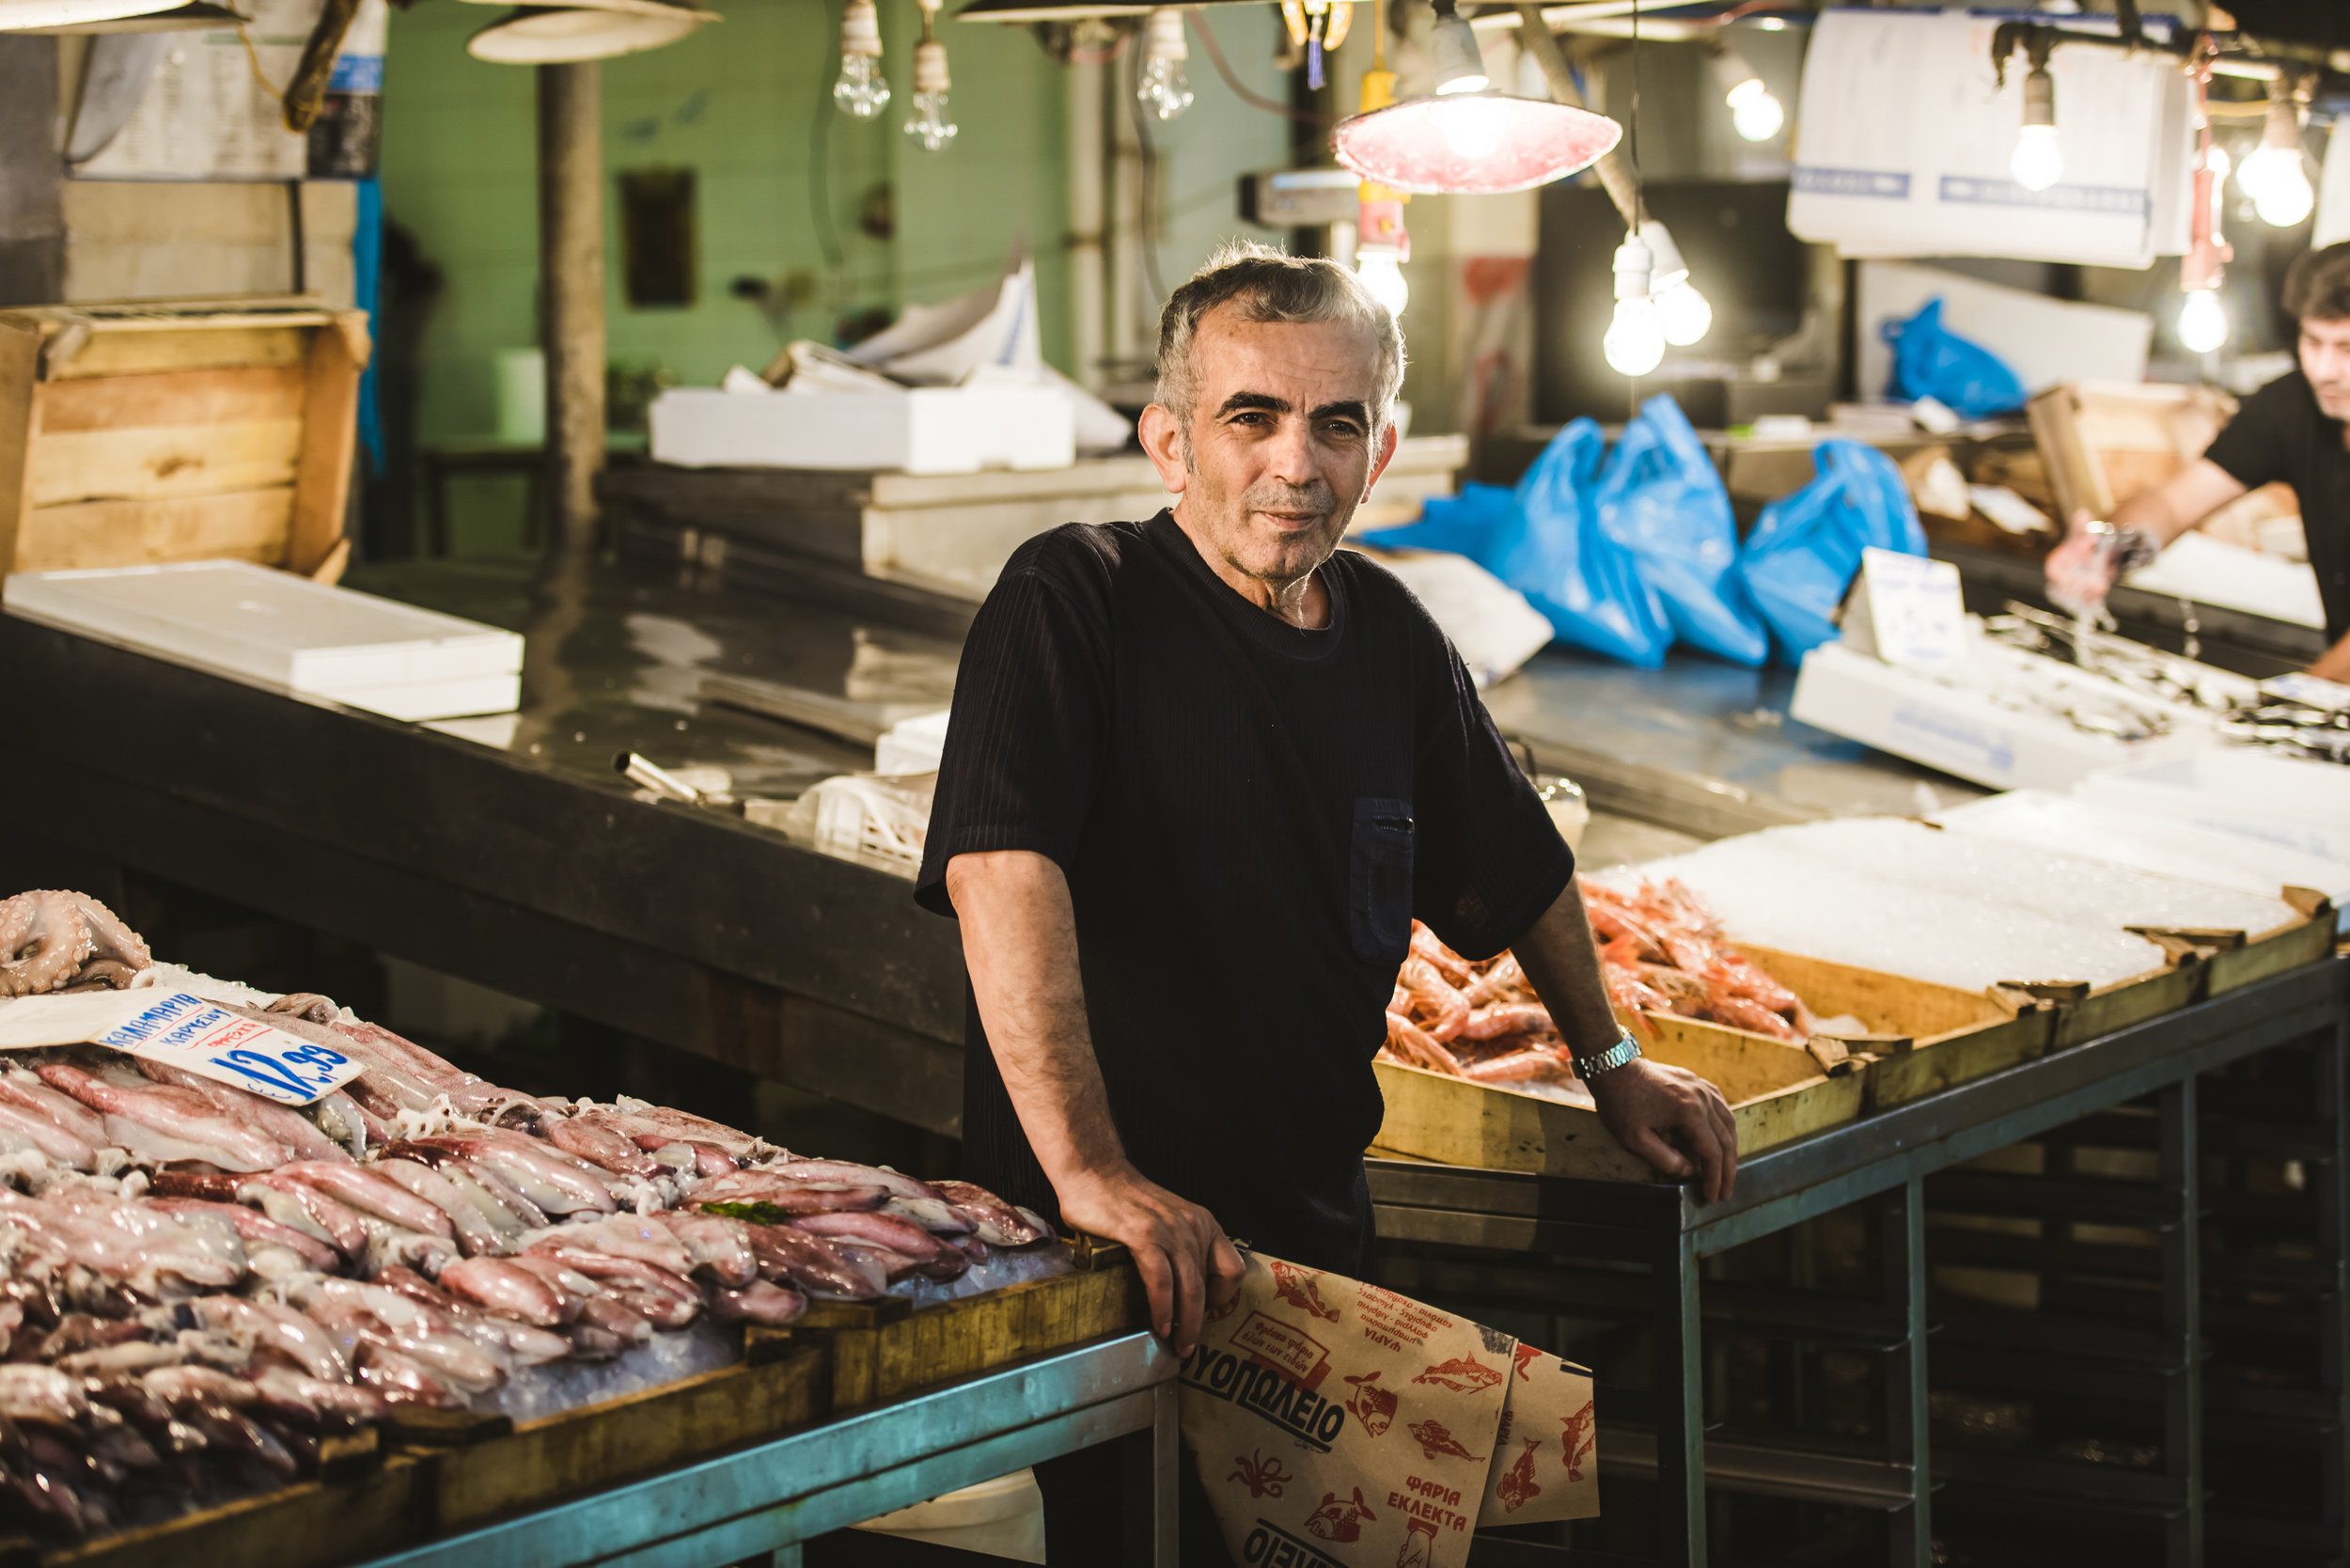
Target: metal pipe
1086	213
570	268
1536	39
1129	298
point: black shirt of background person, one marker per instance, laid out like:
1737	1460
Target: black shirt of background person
1249	815
2281	434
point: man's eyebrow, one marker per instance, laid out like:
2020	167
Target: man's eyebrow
1355	411
1264	400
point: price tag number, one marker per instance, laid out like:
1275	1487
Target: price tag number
305	1071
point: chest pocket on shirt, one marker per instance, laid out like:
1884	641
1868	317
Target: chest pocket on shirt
1379	882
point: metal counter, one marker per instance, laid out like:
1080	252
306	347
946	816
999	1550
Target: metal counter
1501	1239
505	851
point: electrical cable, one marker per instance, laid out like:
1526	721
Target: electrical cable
819	158
1224	69
1148	218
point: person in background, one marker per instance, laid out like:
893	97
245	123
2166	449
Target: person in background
2292	431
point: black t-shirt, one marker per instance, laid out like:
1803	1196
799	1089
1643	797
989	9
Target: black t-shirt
2280	433
1249	816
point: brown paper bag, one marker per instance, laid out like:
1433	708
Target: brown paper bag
1339	1425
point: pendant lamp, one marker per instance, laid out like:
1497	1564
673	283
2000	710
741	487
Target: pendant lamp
597	30
112	16
1471	142
1071	10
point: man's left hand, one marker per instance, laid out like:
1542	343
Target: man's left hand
1671	1117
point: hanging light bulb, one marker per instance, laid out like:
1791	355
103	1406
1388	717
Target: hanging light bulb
1163	89
862	91
1456	62
2276	175
1754	113
2038	162
1635	344
932	125
2202	320
1680	309
1382	241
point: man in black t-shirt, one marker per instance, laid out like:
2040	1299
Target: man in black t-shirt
2292	431
1202	773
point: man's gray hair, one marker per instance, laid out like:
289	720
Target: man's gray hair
1269	285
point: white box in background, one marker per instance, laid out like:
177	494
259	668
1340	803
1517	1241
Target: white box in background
285	631
925	430
1961	730
912	745
2289	801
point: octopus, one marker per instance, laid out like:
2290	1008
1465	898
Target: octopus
59	941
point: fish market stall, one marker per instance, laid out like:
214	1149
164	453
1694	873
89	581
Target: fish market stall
276	1274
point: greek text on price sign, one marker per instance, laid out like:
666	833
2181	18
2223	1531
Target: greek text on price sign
197	1035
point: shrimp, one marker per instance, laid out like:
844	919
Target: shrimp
1539	1063
1434	999
1409	1045
1490	1023
1744	1012
1428	945
1629	997
1505	980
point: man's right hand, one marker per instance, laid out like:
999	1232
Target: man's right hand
1187	1265
2081	571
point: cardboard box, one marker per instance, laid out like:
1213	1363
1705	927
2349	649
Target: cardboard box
925	430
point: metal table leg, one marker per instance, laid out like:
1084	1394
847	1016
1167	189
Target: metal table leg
2183	1322
1901	1217
1680	1410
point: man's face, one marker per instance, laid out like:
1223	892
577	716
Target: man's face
2326	360
1280	452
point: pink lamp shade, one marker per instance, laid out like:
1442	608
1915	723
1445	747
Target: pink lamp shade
1471	142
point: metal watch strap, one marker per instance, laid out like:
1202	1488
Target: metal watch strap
1625	1049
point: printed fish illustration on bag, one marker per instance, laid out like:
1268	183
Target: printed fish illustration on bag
1288	1399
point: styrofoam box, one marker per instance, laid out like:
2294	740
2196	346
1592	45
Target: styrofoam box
1961	731
927	429
2290	801
285	632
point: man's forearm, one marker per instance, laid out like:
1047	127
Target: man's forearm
1562	959
2335	664
1020	944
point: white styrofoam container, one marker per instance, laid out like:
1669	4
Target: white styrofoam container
927	430
285	632
2290	801
914	744
1961	731
2104	829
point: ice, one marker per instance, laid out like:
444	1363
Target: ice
1957	909
534	1391
1004	1266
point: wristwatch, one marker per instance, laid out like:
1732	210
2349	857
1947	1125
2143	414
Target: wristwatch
1625	1049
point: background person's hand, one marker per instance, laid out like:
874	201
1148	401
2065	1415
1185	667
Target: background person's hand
2081	569
1671	1117
1187	1265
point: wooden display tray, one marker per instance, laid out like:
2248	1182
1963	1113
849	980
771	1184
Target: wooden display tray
1925	1037
132	435
885	1350
442	1471
1777	1095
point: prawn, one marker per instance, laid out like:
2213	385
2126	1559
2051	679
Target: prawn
1537	1063
1506	980
1444	1009
1410	1045
1428	945
1744	1012
1490	1023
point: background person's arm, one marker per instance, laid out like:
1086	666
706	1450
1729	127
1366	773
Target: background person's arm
1667	1116
2335	665
2077	572
1020	944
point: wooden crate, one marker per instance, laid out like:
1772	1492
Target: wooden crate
131	434
1925	1037
2240	959
1777	1095
313	1524
2103	442
885	1350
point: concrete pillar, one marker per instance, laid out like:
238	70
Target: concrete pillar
32	173
570	268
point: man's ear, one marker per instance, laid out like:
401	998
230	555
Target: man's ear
1163	439
1388	438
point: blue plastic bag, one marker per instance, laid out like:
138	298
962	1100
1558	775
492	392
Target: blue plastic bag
1805	550
1660	497
1568	566
1543	540
1931	361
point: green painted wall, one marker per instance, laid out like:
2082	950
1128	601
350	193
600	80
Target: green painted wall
782	179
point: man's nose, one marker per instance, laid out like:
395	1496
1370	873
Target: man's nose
1293	459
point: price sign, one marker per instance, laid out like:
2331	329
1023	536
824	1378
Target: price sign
1915	617
194	1034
